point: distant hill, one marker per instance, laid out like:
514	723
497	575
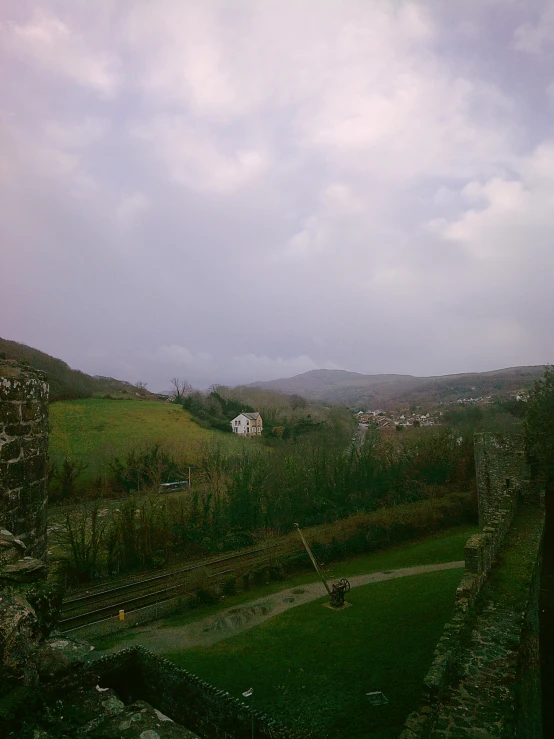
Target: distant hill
66	383
371	391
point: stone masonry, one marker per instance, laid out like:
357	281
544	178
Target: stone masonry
484	680
23	454
501	471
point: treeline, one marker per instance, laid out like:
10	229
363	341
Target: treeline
500	416
315	481
262	491
212	409
284	416
140	469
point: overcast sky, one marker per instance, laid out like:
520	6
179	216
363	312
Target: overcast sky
245	190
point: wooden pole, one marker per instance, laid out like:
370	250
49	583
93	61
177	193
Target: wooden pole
314	561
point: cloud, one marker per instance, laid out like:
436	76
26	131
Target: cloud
534	37
196	160
338	208
267	368
51	45
512	212
130	208
74	134
204	369
242	192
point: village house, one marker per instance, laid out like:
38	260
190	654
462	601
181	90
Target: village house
248	424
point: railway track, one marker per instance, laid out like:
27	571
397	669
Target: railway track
100	604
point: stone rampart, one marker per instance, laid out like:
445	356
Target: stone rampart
484	678
138	674
501	470
23	454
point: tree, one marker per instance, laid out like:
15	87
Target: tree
181	388
539	427
65	477
80	535
141	388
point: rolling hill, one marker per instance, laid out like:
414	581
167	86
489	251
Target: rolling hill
66	383
370	391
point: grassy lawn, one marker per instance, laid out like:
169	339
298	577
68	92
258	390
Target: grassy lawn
312	667
445	547
96	430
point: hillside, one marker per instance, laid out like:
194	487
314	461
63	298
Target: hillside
66	383
370	391
94	431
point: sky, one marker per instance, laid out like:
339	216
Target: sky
231	191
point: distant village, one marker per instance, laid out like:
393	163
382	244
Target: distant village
397	420
393	421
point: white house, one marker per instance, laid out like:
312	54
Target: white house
249	424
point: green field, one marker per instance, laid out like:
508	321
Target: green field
312	667
96	430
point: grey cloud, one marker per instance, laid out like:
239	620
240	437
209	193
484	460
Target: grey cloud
237	192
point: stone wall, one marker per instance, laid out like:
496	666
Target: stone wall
484	679
501	470
23	454
137	673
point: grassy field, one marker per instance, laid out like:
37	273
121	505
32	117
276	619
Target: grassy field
312	667
96	430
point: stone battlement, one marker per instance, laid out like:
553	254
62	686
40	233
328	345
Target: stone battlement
485	678
24	454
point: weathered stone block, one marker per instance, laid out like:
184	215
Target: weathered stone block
11	450
10	412
31	410
17	429
23	455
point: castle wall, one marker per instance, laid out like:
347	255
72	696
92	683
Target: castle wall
135	673
485	676
23	454
501	470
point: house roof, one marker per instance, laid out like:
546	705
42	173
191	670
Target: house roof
251	416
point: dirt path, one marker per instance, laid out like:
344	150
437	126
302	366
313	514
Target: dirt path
222	625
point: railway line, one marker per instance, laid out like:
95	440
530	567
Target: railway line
99	604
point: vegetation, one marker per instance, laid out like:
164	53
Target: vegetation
284	416
212	409
448	546
95	431
150	531
65	382
539	428
500	416
373	391
246	490
312	667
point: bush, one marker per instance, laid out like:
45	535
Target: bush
205	597
229	586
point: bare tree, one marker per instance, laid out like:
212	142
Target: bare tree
81	535
181	388
141	387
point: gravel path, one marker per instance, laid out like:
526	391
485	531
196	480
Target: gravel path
222	625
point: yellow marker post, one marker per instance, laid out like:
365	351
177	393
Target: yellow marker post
122	615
